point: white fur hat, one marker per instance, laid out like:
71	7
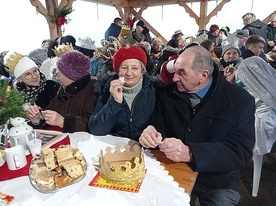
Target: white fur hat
86	43
18	64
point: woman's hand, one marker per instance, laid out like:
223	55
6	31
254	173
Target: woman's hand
34	114
53	118
116	90
228	70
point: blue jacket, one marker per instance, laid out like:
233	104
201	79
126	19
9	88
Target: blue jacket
113	30
111	117
221	133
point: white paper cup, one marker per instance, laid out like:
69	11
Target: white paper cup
15	157
35	146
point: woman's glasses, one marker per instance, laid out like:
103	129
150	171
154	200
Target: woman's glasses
29	75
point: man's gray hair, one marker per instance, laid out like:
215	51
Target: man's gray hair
202	59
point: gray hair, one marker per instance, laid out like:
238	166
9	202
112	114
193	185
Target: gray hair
202	59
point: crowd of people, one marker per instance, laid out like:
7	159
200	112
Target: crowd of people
207	100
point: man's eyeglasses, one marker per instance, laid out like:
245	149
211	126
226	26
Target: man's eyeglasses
29	75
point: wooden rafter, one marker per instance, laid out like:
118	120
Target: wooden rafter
48	12
126	8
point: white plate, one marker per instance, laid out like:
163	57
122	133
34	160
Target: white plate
54	189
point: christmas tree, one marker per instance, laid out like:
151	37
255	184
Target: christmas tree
11	103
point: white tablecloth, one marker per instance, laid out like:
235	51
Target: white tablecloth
158	188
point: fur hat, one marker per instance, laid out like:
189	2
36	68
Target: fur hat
86	43
130	52
17	63
74	65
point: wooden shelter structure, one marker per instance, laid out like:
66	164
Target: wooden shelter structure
130	8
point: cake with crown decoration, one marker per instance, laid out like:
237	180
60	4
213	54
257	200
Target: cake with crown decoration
123	166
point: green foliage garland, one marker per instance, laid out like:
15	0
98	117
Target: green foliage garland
59	16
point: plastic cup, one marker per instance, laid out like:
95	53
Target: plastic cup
35	146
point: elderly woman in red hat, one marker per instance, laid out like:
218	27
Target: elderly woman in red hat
72	106
126	100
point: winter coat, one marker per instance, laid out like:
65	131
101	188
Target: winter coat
113	30
75	103
259	28
220	134
111	117
271	35
50	91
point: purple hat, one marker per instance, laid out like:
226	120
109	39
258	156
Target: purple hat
74	65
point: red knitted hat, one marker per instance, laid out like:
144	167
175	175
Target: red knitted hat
131	52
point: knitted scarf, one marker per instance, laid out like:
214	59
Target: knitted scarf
32	92
225	64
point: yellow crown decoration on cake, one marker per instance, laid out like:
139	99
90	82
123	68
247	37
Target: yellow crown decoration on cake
63	48
11	59
125	167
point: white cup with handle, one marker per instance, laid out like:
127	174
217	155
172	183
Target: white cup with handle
15	157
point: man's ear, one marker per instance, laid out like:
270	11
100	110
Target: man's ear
205	74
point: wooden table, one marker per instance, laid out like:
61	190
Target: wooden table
180	171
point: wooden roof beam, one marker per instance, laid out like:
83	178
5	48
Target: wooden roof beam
267	19
154	31
216	10
189	11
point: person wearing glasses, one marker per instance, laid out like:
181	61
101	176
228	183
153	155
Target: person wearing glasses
29	80
74	103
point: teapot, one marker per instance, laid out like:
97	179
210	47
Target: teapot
20	133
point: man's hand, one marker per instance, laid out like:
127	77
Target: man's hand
150	138
175	150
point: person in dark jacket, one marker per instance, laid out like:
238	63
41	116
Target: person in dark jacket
271	33
255	27
207	122
114	29
126	99
254	46
140	34
29	80
71	108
